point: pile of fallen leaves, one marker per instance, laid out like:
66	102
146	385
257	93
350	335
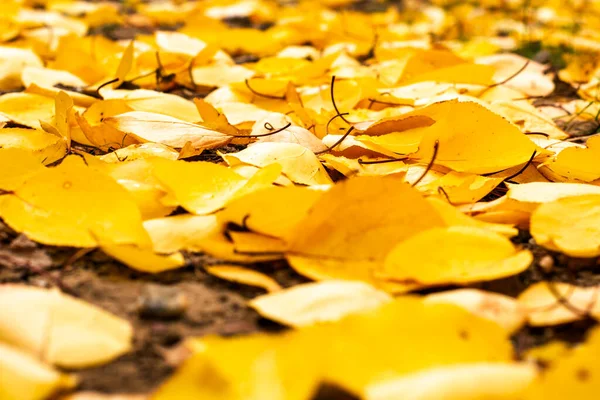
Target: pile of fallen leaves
389	156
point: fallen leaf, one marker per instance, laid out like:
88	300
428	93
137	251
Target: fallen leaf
26	108
244	276
144	259
158	128
464	147
298	163
462	255
574	375
351	228
313	303
503	310
60	329
550	303
578	235
458	382
25	378
73	205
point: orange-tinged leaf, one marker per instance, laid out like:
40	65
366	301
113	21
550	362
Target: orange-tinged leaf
213	119
273	211
351	228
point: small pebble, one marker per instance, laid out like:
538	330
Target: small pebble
546	263
159	301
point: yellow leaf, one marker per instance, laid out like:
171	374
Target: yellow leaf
144	259
158	128
25	378
253	243
462	187
220	75
125	65
465	147
501	309
140	151
43	81
313	303
351	228
61	329
298	163
570	225
351	166
453	217
63	108
12	62
44	146
243	275
573	376
213	119
532	81
286	133
501	381
73	205
549	303
578	164
274	211
154	102
102	135
462	255
135	175
26	108
200	187
528	118
474	74
290	366
16	166
198	234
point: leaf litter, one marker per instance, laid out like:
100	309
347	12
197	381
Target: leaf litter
378	201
